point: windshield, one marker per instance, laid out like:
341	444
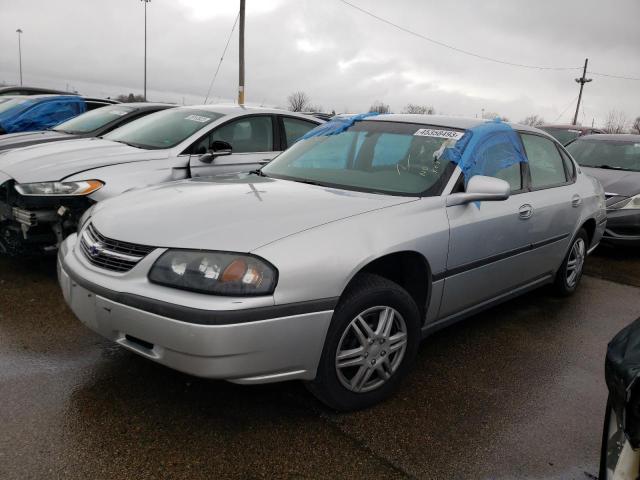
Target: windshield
163	129
90	121
375	156
617	154
563	135
9	104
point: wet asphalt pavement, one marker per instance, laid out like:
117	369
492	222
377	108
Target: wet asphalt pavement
516	392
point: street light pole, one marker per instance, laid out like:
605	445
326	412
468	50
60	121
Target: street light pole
145	48
19	32
241	69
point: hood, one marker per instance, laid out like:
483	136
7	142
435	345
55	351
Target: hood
24	139
237	213
58	160
619	182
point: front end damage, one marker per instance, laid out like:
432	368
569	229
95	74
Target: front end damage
36	224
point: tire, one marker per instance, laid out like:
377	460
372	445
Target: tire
570	272
376	373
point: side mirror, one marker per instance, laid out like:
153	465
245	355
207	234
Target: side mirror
481	188
218	149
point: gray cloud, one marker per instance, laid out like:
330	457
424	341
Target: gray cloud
342	58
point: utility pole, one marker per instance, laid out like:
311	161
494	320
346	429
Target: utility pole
19	32
145	48
582	80
241	69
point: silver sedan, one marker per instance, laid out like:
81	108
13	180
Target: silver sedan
333	262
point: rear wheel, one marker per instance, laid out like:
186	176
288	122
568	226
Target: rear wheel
570	272
372	341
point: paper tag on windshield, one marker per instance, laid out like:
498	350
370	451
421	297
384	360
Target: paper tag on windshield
118	112
430	132
197	118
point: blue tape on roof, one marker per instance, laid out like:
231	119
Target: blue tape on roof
336	125
41	113
486	149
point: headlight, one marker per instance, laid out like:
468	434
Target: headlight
216	273
627	203
79	188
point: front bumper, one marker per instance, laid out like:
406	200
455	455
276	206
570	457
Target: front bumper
256	351
623	228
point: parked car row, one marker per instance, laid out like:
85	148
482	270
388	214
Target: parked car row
185	235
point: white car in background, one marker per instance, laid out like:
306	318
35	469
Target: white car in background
45	189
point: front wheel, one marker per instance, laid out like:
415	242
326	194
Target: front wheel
371	343
570	272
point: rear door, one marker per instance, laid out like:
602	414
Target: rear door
488	247
554	200
253	140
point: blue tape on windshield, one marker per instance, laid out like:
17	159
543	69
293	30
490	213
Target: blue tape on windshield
41	113
486	149
336	125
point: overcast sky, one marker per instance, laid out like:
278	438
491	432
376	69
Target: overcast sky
342	58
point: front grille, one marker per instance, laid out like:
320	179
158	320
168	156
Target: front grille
111	254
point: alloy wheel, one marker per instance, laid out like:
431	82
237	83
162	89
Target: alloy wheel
371	349
575	262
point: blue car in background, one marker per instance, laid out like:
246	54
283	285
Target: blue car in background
38	112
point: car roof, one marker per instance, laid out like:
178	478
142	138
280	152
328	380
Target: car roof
33	90
146	105
603	137
463	123
569	126
233	109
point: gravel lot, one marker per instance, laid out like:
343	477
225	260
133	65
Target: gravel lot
516	392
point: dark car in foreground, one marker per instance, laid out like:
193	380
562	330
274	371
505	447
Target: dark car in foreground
620	453
90	124
568	133
615	161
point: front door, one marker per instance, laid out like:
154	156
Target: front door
488	247
252	144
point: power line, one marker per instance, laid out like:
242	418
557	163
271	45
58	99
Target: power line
566	108
637	79
215	75
477	55
451	47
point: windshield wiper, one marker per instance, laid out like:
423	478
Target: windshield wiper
611	167
257	171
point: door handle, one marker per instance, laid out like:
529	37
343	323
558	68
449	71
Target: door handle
576	200
525	211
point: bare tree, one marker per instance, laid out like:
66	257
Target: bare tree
421	109
379	107
616	122
635	128
298	101
533	120
131	98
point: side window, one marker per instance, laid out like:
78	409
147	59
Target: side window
294	128
248	134
512	175
545	163
568	165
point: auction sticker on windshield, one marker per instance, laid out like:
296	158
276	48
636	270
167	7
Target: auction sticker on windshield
430	132
197	118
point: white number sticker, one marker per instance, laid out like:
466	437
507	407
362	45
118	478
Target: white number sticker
430	132
197	118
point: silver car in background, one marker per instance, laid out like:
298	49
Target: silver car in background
44	189
334	261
